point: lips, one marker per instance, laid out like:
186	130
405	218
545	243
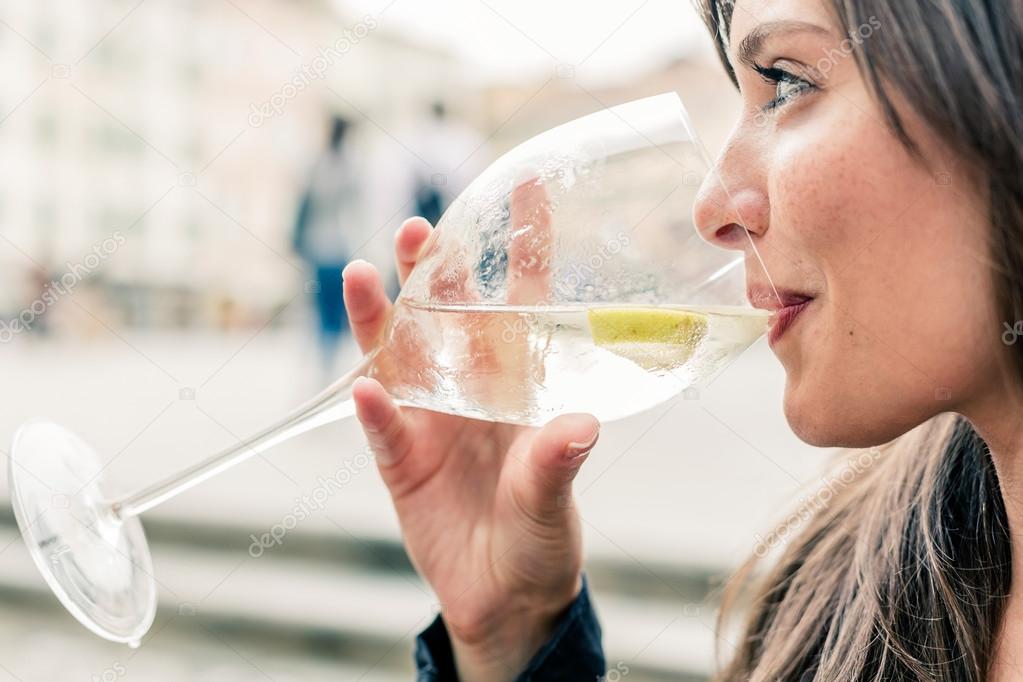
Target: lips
765	298
784	318
784	304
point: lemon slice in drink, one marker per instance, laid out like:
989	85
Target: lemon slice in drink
653	338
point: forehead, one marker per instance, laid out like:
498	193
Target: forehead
748	14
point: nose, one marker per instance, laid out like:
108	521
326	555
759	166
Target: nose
733	196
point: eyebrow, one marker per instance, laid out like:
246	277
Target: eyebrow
751	46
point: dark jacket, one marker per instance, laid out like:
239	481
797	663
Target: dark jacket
572	654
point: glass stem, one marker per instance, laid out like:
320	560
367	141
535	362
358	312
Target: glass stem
333	404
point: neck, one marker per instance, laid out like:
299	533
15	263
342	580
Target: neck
996	418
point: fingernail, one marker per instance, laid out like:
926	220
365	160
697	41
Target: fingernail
350	264
578	450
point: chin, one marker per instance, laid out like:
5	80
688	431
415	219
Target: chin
829	422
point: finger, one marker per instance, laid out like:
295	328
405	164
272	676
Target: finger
408	244
383	423
543	486
366	302
449	279
531	247
502	345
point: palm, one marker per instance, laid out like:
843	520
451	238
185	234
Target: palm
463	503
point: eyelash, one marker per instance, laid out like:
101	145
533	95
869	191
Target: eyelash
776	77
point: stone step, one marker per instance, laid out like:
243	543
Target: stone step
359	614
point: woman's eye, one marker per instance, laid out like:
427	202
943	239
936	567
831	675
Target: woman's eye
787	86
786	90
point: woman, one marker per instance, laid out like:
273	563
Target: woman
878	165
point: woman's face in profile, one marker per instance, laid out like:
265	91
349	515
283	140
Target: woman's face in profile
893	250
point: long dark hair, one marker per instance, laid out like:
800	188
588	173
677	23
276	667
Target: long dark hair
904	573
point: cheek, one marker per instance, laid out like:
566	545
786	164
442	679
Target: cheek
899	259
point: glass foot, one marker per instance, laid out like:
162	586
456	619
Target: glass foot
97	564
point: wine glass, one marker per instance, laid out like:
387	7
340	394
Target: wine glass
567	277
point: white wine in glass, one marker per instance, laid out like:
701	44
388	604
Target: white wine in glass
567	277
527	364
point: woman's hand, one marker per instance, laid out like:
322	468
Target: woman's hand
485	509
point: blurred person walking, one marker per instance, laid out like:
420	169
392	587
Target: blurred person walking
329	207
452	153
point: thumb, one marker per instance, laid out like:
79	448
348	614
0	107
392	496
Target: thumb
555	455
386	429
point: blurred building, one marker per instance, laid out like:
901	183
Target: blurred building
516	112
188	127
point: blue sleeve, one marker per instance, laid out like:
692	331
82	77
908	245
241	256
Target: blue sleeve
573	652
